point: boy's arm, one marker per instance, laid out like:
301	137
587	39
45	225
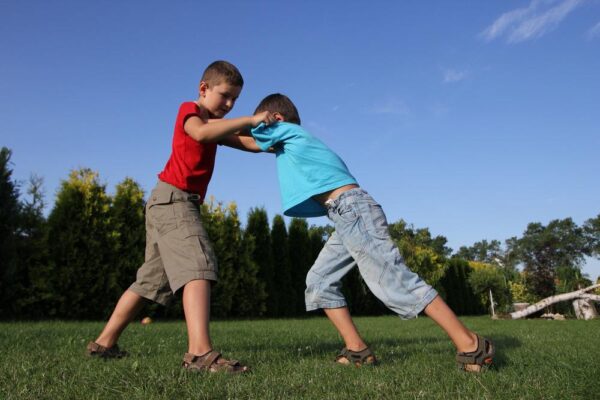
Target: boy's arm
217	130
241	142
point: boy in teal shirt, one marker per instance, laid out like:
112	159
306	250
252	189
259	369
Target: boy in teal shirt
314	181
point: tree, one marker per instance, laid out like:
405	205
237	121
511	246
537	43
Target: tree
257	229
300	261
9	223
457	291
129	231
238	291
482	251
283	291
591	229
422	253
81	246
318	235
34	292
544	249
225	238
485	278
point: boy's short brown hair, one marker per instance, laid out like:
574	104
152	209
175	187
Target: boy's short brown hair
222	71
281	104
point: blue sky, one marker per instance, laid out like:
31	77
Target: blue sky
470	118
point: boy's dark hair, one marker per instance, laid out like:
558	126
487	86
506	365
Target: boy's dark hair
222	71
281	104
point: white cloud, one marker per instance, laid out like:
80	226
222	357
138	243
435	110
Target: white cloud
594	31
539	18
392	107
452	75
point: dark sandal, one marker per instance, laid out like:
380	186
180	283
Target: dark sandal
212	362
358	358
478	360
96	350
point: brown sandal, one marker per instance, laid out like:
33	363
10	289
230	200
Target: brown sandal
212	362
358	358
478	360
96	350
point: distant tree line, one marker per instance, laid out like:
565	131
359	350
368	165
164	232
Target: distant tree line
76	262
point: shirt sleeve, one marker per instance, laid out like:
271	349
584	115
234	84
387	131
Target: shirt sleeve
186	110
269	136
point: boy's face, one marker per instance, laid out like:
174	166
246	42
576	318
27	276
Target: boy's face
218	99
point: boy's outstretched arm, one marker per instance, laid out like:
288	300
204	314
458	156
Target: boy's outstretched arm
241	142
217	130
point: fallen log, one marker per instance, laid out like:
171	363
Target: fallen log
553	299
584	308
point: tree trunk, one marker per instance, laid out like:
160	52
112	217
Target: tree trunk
554	299
584	309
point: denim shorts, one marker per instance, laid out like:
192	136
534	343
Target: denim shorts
361	238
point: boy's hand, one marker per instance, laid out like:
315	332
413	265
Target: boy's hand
265	117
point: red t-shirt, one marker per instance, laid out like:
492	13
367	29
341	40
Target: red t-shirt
191	164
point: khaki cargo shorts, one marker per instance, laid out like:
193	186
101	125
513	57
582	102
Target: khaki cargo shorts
177	246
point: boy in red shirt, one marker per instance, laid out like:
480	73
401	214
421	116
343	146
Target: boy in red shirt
178	251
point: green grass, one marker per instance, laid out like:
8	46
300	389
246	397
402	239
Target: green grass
291	359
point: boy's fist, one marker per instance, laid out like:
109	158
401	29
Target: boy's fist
265	117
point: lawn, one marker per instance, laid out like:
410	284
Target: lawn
291	359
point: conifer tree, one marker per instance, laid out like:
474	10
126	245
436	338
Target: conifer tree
238	291
32	301
81	248
222	237
300	261
130	233
9	223
457	291
283	293
257	228
250	295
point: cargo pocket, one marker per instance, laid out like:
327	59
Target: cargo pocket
196	238
160	212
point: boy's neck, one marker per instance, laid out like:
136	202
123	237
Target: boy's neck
204	114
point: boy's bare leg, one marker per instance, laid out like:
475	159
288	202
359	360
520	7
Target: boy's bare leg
128	306
341	319
463	338
196	306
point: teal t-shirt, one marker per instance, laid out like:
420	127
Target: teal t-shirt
305	167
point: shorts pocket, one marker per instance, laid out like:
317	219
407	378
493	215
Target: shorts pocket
162	218
160	197
196	237
346	213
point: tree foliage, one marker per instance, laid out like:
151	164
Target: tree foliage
128	224
75	263
238	289
80	246
282	274
299	248
423	254
32	291
456	289
485	278
258	234
545	249
9	225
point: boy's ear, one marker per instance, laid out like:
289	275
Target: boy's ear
278	117
202	88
